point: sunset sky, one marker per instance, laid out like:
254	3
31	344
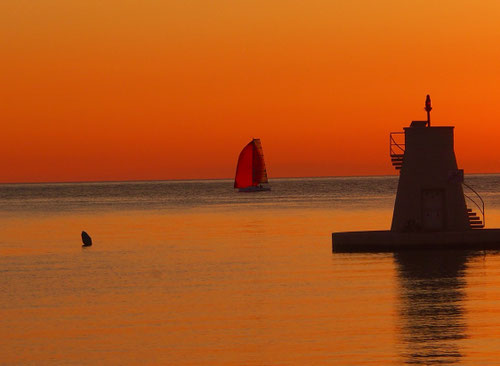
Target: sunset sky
173	89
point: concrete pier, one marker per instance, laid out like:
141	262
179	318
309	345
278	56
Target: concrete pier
389	241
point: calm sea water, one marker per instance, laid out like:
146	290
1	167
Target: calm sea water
193	273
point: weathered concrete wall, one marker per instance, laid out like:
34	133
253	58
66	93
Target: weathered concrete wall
429	198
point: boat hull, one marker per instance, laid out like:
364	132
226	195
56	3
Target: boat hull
254	189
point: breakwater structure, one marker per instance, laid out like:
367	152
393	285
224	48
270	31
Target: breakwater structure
432	209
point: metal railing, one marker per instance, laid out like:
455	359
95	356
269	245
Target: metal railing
396	147
480	205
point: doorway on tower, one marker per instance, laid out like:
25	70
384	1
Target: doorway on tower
433	214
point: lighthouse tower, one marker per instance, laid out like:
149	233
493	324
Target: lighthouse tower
430	195
432	210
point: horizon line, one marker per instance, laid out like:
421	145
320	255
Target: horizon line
210	179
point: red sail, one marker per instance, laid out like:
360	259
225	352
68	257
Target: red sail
251	169
259	166
244	171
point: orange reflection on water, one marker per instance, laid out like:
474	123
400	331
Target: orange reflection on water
219	286
211	286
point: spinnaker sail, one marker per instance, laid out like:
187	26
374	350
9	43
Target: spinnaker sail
251	169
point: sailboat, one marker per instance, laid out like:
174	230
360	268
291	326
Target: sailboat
251	170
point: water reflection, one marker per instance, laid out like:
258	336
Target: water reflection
432	294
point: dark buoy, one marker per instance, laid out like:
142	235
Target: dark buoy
86	239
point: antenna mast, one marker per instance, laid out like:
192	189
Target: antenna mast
428	108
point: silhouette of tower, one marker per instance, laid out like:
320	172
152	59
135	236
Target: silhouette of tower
430	195
430	210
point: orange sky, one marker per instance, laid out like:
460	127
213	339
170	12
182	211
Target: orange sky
119	90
